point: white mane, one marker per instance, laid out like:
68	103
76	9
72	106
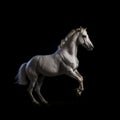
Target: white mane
70	34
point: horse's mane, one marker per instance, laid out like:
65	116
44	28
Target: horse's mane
63	41
70	34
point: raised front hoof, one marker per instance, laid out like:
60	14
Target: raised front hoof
78	92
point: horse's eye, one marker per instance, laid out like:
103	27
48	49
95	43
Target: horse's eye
84	36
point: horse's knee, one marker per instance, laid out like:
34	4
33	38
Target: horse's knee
37	88
81	78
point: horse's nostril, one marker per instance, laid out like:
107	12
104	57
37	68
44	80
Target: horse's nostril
91	47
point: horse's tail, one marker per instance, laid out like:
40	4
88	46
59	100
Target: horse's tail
21	76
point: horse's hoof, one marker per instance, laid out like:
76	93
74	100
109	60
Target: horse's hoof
78	92
46	102
36	102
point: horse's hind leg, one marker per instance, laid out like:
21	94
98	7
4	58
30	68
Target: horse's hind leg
33	78
38	87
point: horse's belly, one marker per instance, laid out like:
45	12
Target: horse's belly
49	72
49	67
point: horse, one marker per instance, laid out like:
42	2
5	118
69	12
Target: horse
63	61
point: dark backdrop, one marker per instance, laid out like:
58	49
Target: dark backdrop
32	30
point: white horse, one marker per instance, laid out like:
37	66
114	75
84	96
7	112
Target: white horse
63	61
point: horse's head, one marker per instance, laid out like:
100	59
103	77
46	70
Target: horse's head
84	39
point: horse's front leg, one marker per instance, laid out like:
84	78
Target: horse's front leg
75	74
81	81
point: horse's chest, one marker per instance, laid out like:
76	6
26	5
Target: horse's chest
72	61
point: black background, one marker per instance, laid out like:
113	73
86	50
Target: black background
31	30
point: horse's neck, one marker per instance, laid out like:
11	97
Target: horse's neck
72	48
72	45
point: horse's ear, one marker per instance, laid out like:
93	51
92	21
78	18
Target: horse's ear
86	28
80	28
